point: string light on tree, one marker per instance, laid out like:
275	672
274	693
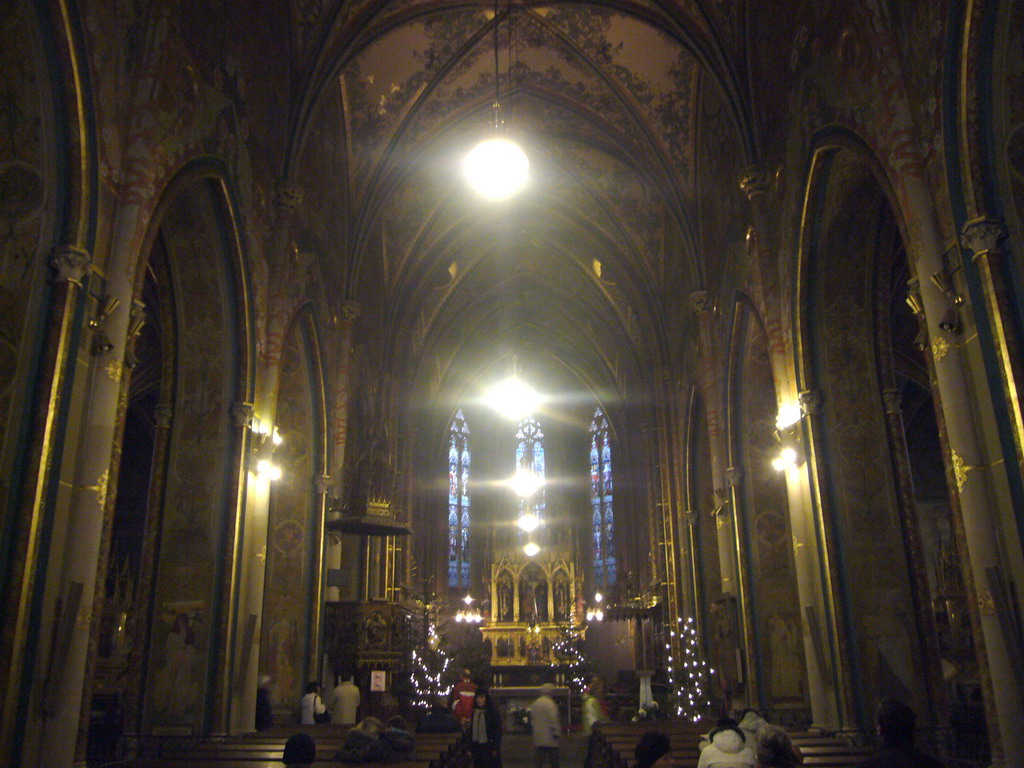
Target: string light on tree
572	660
429	665
689	678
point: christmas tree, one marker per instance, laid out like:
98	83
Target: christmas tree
429	665
571	661
689	678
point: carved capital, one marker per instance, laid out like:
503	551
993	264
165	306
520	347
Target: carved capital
982	235
753	182
350	310
892	399
700	302
71	263
241	414
163	414
810	401
287	197
322	484
734	476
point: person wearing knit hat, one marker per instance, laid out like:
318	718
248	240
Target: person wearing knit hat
654	750
299	751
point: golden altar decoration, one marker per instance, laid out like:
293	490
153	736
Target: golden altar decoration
532	599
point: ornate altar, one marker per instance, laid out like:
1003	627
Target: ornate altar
532	599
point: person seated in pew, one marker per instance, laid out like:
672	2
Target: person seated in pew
360	740
439	720
299	751
654	750
774	749
896	728
751	724
395	743
726	747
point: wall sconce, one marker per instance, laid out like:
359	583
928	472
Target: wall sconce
951	321
101	343
264	443
597	612
787	432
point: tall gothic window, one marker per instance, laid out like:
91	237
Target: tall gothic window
603	525
458	502
530	456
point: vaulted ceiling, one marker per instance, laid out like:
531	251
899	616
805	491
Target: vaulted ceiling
604	99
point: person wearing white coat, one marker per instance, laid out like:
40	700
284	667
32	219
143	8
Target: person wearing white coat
727	748
546	726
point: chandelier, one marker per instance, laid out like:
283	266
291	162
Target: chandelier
497	167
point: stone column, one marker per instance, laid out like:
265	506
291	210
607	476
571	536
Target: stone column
319	578
982	236
734	481
710	373
55	372
92	482
816	601
339	431
930	659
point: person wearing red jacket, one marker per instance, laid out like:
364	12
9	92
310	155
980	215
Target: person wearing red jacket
462	698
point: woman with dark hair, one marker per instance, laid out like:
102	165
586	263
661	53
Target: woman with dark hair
313	709
485	731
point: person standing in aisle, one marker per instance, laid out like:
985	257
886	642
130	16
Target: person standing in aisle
547	727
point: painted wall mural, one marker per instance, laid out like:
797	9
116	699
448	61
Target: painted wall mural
197	477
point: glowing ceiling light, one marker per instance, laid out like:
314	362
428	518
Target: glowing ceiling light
528	522
531	549
513	398
496	168
525	483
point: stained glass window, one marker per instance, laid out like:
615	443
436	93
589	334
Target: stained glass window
530	457
458	502
603	524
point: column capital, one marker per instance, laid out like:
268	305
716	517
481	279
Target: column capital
700	302
241	414
350	310
733	476
892	398
811	401
982	235
71	263
753	182
287	197
162	415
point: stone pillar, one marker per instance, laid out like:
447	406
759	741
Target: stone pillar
339	431
710	373
929	660
734	481
817	603
65	682
55	372
319	579
982	236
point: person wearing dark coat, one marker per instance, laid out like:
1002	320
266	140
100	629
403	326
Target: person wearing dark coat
896	728
264	714
299	751
485	731
439	720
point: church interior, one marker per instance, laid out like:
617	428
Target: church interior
665	329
